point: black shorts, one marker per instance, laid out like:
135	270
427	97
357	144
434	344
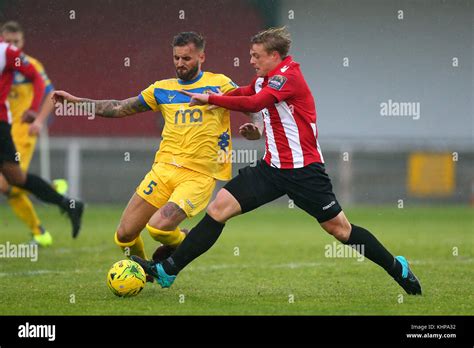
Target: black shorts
309	187
7	147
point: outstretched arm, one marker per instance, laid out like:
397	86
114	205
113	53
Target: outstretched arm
241	91
252	103
106	108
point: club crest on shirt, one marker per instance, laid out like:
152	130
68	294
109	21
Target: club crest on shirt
277	82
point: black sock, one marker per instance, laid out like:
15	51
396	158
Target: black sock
374	250
197	242
44	191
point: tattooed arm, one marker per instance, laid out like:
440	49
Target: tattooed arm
105	108
118	108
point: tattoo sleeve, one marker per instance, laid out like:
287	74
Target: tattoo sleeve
117	108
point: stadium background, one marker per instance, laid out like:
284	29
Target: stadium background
355	55
275	254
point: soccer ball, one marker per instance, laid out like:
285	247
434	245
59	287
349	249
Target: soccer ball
126	278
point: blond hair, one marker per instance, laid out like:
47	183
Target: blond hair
274	39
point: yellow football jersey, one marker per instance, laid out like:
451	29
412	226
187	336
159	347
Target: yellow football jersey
193	137
21	96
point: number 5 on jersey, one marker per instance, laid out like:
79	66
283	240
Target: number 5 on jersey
150	187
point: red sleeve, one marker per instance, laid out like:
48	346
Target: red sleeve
282	87
17	61
241	91
252	103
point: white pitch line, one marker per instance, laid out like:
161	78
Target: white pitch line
38	272
291	265
75	250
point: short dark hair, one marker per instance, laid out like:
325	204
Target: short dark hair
274	39
186	37
12	27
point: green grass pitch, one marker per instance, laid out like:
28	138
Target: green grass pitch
268	262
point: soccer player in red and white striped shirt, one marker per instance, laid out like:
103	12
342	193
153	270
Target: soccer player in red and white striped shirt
13	60
293	164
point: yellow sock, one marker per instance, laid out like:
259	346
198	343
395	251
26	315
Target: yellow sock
23	208
171	238
135	247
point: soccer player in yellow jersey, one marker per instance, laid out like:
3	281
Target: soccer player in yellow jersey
187	164
25	134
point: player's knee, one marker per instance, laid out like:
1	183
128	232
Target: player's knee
218	210
341	233
339	227
224	206
213	211
164	224
168	217
14	179
122	235
5	188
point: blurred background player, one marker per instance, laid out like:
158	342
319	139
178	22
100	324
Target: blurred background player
186	167
25	134
13	60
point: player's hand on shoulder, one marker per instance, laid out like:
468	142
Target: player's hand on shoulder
60	96
250	131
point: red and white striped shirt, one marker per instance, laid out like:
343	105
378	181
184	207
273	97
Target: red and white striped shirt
11	60
289	115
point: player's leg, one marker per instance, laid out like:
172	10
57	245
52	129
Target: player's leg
361	239
45	192
197	242
245	192
191	194
18	199
311	190
24	210
150	195
164	228
13	174
133	221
